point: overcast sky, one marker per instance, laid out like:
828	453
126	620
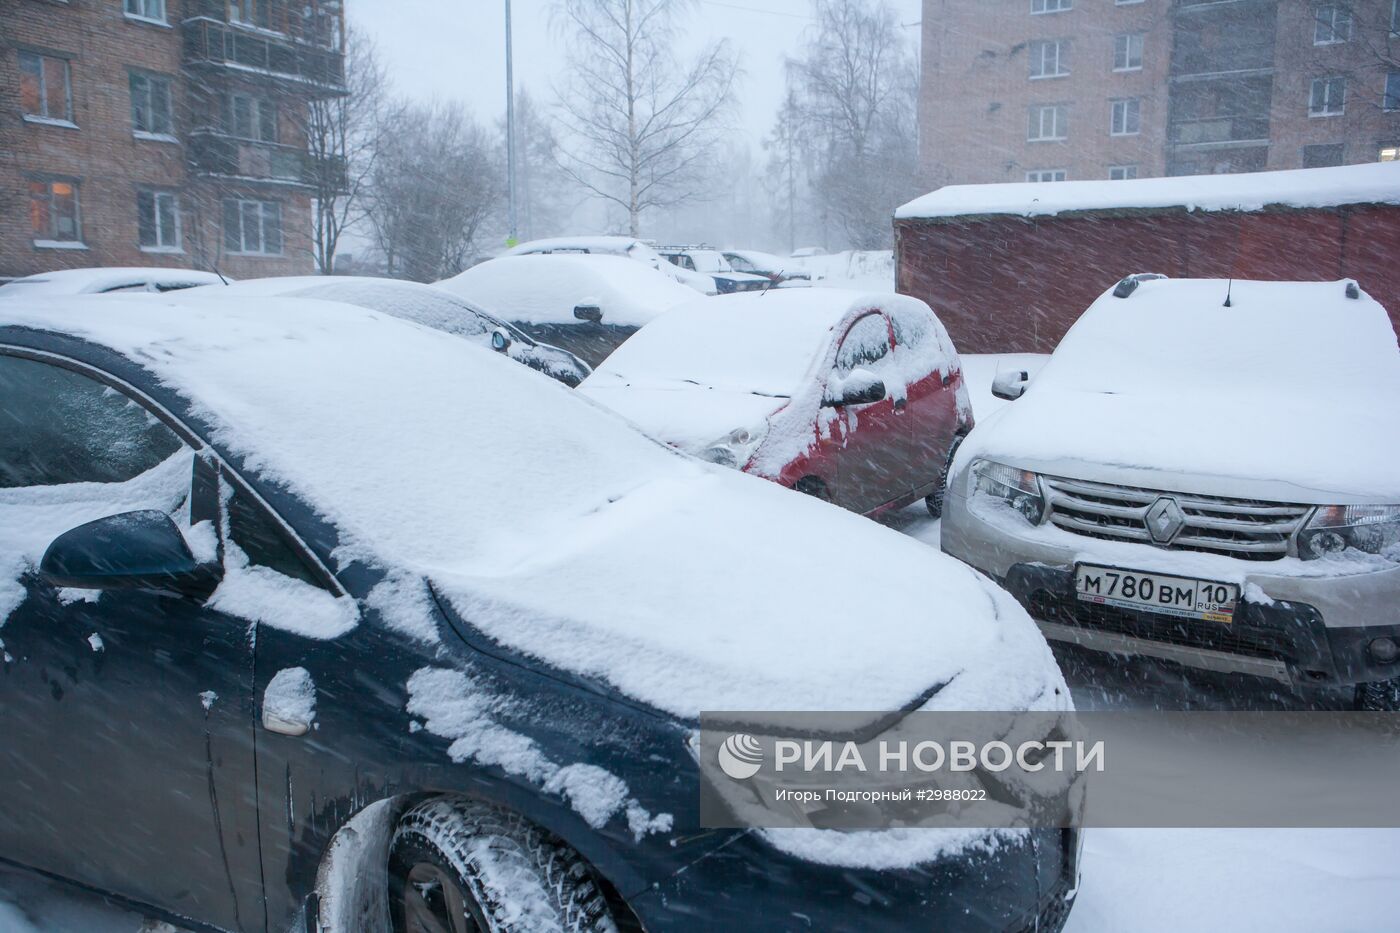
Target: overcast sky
454	49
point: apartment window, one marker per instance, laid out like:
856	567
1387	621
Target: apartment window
1127	118
1051	6
1126	2
1046	174
1048	122
54	217
1389	154
1392	91
45	87
1328	97
1331	24
150	105
249	117
1323	156
158	221
1395	17
1122	172
153	10
1049	58
253	227
1127	53
251	12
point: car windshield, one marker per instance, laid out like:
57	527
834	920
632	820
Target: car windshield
708	260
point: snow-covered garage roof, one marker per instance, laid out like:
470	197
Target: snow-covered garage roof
1377	183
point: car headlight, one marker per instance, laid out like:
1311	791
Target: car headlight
735	448
1334	529
1019	489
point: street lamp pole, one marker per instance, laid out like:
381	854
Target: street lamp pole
510	130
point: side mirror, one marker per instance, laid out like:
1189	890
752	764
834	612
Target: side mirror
500	340
861	387
1011	385
588	312
131	551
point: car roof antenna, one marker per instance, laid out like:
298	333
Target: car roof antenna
1228	289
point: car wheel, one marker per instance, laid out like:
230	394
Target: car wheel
468	867
934	500
1379	697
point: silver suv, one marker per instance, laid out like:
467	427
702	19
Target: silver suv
1207	472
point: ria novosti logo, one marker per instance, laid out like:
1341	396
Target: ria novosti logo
740	756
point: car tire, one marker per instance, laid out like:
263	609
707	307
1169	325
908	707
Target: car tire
1381	696
465	866
934	500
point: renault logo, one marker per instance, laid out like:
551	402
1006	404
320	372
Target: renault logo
1165	519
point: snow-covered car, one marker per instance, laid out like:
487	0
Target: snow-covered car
854	397
625	246
424	304
711	262
315	618
776	269
587	304
107	280
1207	472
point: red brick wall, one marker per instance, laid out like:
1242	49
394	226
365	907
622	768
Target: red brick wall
1012	284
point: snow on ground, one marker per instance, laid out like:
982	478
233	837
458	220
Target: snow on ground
865	270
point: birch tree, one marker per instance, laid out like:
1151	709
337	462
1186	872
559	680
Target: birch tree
638	126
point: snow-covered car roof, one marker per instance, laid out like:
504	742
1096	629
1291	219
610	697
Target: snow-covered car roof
425	304
768	262
1286	393
1377	183
757	342
106	279
545	289
606	245
558	529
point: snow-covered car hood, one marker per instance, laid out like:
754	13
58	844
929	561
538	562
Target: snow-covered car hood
557	529
686	416
1288	395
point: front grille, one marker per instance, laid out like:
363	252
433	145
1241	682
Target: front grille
1232	638
1244	528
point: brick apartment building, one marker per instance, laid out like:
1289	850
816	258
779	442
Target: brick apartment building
161	132
1050	90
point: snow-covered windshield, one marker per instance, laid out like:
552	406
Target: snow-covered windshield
1178	338
708	260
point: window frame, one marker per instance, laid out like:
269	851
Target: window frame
243	205
1326	83
1045	7
162	20
261	111
149	79
1127	38
1390	98
1038	49
1036	119
42	57
1132	113
1123	171
156	195
52	240
1336	12
1040	172
202	451
836	364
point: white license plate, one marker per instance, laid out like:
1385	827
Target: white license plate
1154	592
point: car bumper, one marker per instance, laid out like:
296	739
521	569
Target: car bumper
1314	629
748	885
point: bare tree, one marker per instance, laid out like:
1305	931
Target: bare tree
539	181
856	87
343	136
638	128
435	184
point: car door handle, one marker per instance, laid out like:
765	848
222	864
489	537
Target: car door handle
283	726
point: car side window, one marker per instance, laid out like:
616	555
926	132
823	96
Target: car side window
58	426
740	264
866	344
264	542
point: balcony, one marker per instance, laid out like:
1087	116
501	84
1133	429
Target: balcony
219	155
1216	130
263	54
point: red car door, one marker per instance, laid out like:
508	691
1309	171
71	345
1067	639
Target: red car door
870	440
930	367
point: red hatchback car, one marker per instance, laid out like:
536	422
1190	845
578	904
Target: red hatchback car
856	397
